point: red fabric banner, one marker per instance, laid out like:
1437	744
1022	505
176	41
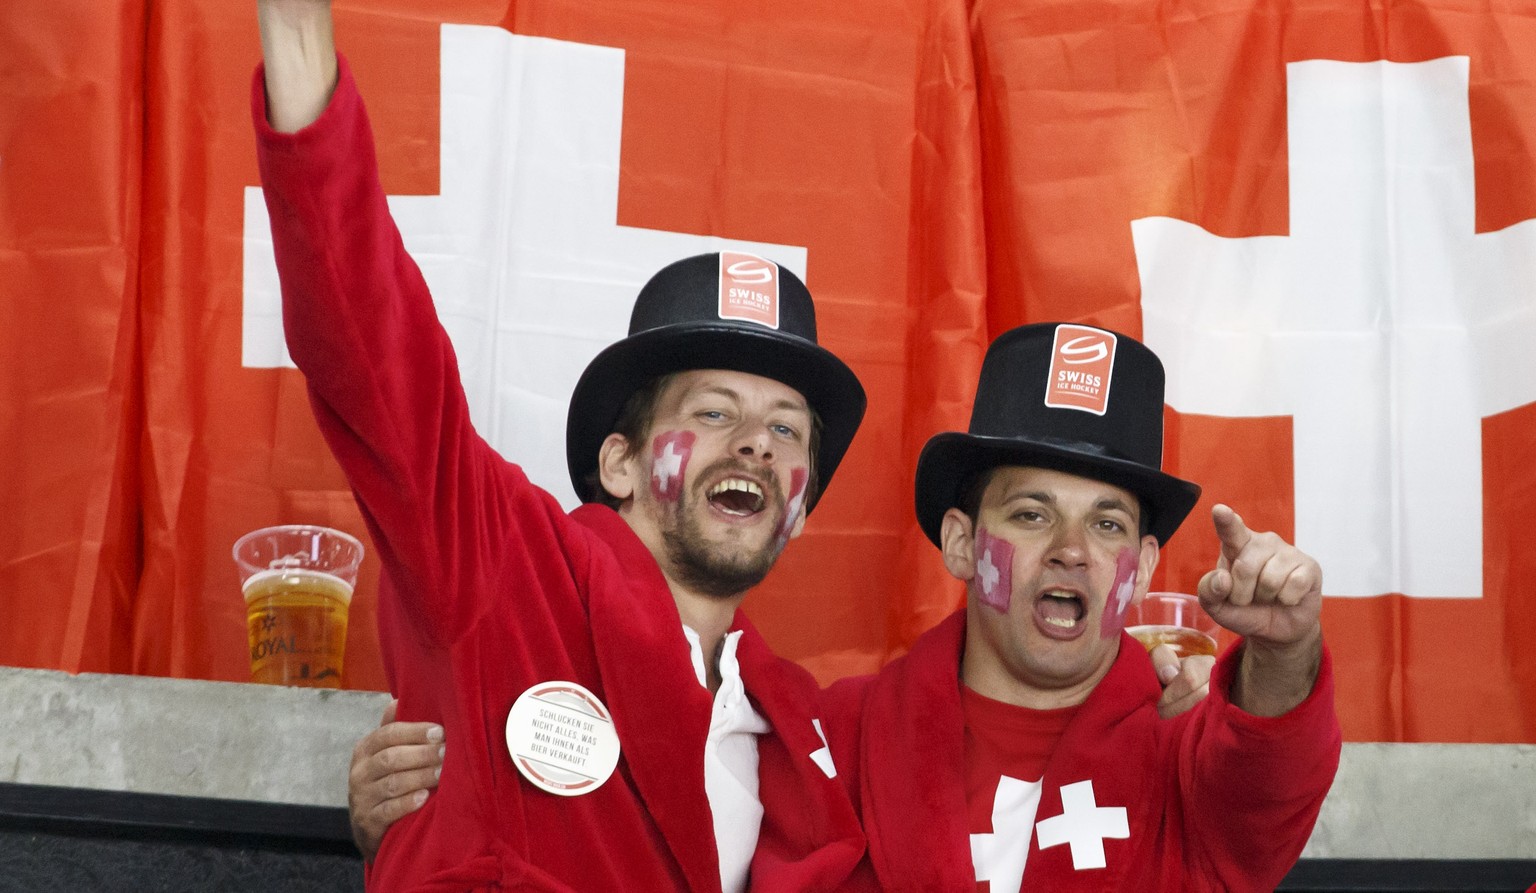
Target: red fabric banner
71	142
941	171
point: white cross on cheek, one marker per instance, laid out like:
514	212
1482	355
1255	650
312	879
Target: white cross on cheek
668	465
1083	824
999	857
1123	595
987	572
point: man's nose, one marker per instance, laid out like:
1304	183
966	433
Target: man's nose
1069	547
754	439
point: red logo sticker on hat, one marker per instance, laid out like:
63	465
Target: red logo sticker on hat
1081	362
749	288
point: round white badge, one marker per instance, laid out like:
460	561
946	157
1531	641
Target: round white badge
562	739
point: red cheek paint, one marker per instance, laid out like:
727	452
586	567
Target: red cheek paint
1120	593
993	582
797	481
669	460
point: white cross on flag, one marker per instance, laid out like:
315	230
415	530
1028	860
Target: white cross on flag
1322	217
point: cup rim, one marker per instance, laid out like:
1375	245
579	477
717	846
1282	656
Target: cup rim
1209	625
300	529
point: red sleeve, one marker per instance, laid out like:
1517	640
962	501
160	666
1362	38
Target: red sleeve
381	372
1253	785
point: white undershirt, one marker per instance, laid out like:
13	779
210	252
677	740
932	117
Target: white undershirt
730	763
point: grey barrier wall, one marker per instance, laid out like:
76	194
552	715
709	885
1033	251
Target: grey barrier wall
282	753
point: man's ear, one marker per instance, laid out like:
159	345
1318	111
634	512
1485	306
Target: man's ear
957	539
617	471
1146	563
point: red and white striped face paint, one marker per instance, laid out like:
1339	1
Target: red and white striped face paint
1120	593
992	583
670	452
798	478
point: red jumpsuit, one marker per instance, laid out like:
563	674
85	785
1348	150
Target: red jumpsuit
1215	799
489	587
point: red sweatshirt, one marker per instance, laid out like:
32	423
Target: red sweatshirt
489	588
1215	799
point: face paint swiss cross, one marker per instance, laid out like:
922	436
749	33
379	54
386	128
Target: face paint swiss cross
1120	594
993	582
670	452
797	481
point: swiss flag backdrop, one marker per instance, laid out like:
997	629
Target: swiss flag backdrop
1314	212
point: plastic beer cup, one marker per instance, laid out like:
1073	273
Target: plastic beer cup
1173	619
297	580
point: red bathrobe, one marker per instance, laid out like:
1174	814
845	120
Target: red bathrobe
490	588
1215	799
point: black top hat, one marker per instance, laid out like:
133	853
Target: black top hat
725	310
1066	397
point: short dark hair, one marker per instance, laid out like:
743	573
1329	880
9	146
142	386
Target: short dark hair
634	423
975	487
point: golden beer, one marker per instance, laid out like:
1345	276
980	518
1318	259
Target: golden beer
297	623
1184	641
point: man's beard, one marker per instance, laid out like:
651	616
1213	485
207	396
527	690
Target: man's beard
723	571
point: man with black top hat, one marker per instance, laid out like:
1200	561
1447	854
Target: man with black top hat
617	724
1019	742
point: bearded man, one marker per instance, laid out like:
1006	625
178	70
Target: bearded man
617	723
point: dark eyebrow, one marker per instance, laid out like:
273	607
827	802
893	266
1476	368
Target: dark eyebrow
720	391
1036	495
723	391
1107	503
1112	502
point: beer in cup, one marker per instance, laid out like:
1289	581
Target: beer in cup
1173	619
298	581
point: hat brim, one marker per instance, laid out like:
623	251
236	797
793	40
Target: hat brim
950	460
827	384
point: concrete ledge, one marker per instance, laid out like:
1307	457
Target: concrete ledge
176	736
289	745
1430	801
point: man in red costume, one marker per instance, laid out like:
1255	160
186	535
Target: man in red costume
617	724
1025	742
1018	746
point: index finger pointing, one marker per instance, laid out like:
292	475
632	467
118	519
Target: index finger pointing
1231	530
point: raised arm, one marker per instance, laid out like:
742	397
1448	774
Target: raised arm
1264	754
361	324
1269	592
298	48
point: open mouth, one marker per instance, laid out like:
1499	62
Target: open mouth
1060	609
737	496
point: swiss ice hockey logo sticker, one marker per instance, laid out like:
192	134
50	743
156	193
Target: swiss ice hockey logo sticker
1081	362
749	288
